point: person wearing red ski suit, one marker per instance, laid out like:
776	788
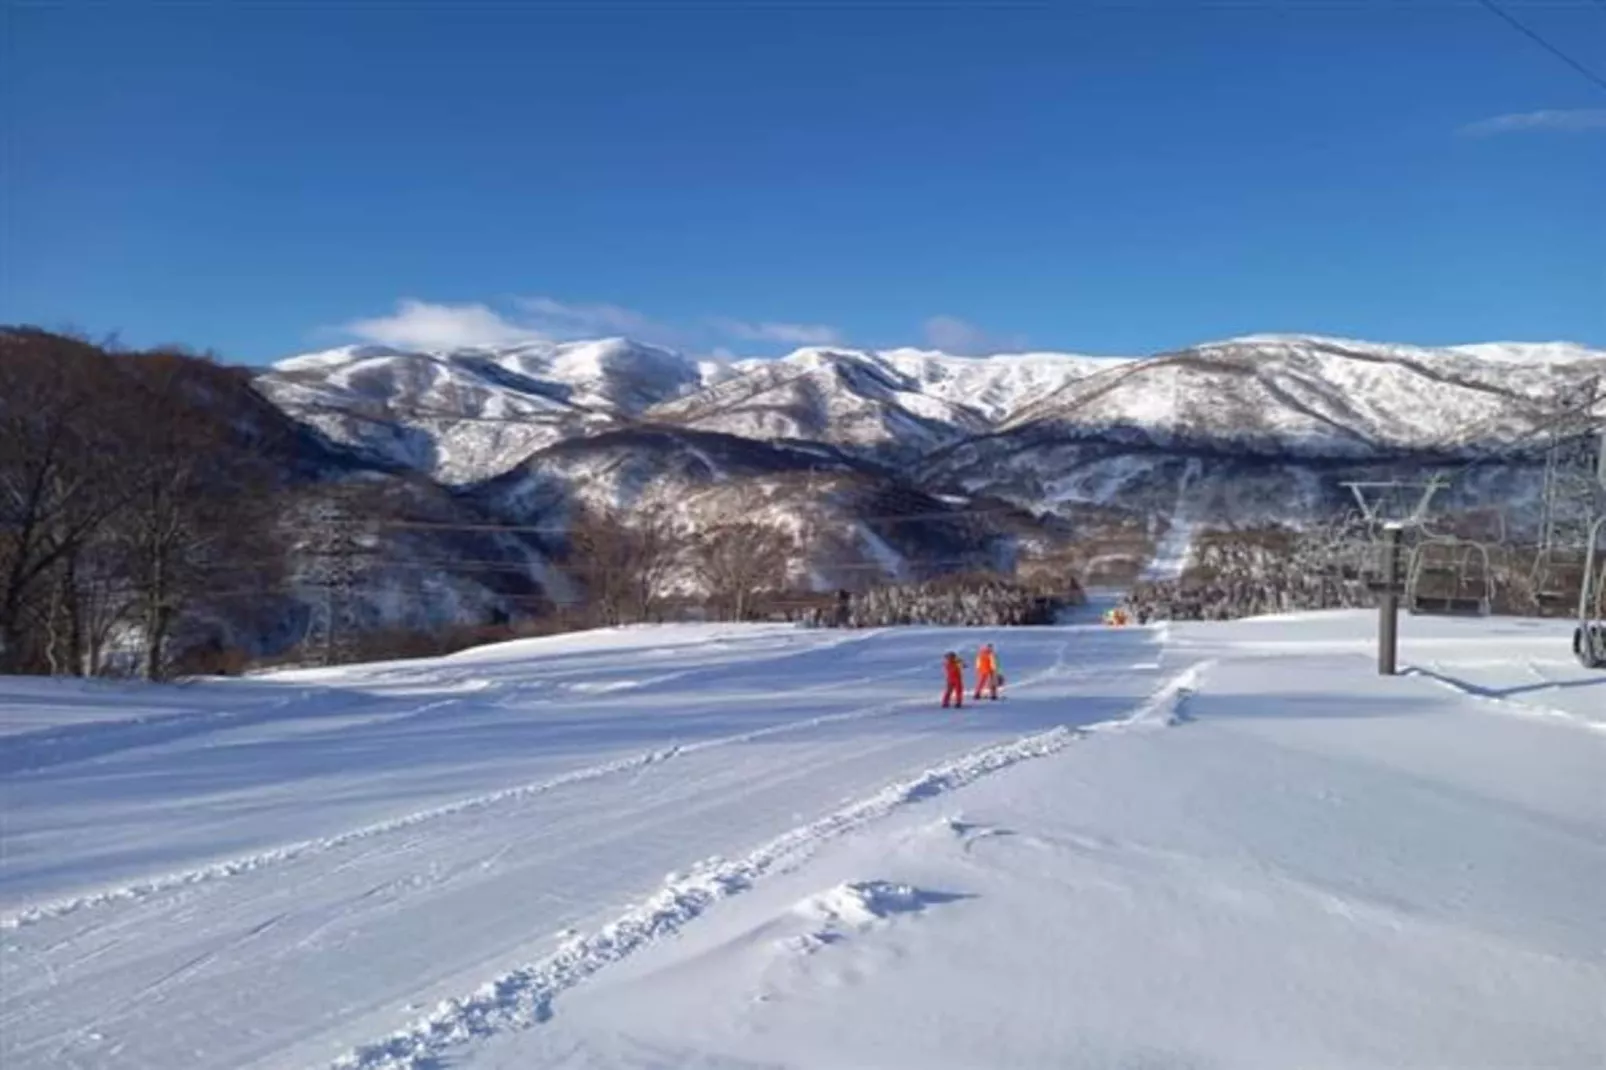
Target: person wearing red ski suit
954	671
987	672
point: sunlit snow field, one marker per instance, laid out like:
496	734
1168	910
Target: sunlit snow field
720	846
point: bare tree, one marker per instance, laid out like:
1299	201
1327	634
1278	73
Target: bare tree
103	601
659	550
58	484
87	601
740	559
200	513
599	557
134	488
624	562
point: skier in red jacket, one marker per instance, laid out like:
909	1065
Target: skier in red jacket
954	669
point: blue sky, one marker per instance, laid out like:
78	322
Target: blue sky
1116	177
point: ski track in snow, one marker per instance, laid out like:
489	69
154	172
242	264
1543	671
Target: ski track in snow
151	886
56	745
1503	704
523	997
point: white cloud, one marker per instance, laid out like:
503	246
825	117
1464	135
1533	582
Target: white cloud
1575	120
423	325
426	325
797	334
561	319
954	335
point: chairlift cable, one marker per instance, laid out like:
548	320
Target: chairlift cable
1516	24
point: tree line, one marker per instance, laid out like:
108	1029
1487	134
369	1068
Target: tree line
134	489
962	600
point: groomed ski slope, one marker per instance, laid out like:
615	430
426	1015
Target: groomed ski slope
701	846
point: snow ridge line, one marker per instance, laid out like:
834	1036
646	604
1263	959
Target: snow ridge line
523	997
1167	707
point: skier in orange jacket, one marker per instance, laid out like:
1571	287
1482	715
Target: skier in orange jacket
987	677
954	670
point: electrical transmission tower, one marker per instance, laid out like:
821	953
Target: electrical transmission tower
334	546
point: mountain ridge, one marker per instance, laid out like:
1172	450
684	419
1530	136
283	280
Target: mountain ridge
463	416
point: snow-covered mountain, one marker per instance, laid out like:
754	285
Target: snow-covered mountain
466	415
1242	431
896	405
1261	429
1283	396
469	415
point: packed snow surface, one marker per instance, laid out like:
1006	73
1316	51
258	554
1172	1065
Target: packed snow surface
718	846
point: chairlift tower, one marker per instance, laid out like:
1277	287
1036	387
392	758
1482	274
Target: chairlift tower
1392	510
1571	497
1398	502
1589	639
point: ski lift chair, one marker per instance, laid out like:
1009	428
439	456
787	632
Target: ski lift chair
1449	577
1553	578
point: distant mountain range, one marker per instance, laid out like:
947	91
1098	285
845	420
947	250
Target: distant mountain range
983	456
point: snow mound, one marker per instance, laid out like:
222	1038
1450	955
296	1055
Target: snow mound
866	902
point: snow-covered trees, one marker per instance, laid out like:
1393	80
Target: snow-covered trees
1241	574
1277	570
966	600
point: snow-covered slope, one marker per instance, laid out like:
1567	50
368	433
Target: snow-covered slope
1202	845
1531	353
851	399
1316	397
1261	430
465	415
993	386
895	404
846	512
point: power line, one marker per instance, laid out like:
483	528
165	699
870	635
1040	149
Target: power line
1521	28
